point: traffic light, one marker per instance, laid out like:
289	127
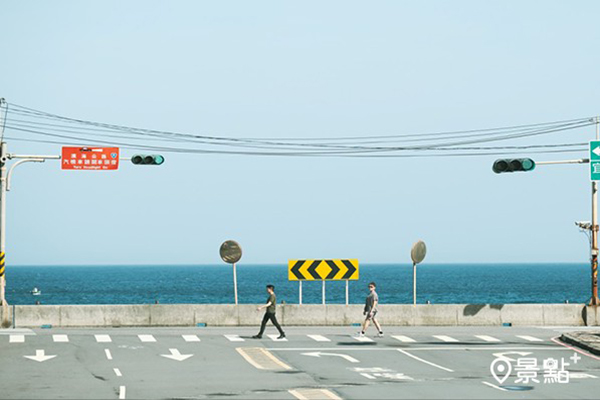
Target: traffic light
513	165
143	159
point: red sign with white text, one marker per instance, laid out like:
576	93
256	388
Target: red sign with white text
90	158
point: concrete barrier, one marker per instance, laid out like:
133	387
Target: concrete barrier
308	314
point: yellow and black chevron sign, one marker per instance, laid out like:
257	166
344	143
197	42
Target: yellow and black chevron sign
1	264
322	270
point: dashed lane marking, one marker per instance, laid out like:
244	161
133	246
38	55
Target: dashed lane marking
362	338
314	394
530	338
261	358
190	338
404	339
16	339
445	338
117	372
275	338
319	338
60	338
487	338
147	338
121	392
103	338
234	338
108	355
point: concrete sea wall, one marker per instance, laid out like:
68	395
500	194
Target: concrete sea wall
294	314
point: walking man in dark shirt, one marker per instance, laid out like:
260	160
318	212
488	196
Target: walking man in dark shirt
269	314
370	310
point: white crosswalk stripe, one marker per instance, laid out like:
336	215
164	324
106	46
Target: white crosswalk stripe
362	338
147	338
103	338
487	338
529	338
16	339
190	338
234	338
445	338
404	339
275	338
319	338
60	338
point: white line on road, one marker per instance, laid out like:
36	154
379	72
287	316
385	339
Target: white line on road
436	348
362	338
16	339
424	361
494	386
234	338
529	338
147	338
313	394
103	338
108	355
60	338
487	338
121	392
367	375
190	338
276	338
117	372
319	338
445	338
404	339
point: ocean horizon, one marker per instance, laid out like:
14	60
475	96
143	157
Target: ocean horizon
448	283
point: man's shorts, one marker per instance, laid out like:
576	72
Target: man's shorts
371	316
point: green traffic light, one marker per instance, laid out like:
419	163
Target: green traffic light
513	165
144	159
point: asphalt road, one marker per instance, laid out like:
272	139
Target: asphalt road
314	362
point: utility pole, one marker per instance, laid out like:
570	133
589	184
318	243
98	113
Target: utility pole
594	301
2	223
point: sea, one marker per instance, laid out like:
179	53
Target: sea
184	284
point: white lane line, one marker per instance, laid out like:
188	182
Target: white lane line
108	355
529	338
121	392
445	338
362	338
481	347
425	361
16	339
367	375
313	394
494	386
190	338
404	339
319	338
117	372
103	338
147	338
234	338
487	338
60	338
275	338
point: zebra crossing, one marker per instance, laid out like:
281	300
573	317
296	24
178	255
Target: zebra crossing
188	338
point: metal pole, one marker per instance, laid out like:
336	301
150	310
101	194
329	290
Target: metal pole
300	297
415	284
347	292
235	284
2	216
594	301
323	291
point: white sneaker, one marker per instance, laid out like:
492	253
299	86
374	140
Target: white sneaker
360	334
380	334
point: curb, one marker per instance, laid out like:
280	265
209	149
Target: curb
589	341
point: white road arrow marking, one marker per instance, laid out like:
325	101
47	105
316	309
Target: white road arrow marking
319	354
503	355
39	356
596	151
176	355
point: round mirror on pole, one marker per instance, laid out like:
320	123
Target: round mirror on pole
417	253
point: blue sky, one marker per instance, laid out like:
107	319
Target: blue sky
300	69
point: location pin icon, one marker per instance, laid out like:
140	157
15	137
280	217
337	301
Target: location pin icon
501	369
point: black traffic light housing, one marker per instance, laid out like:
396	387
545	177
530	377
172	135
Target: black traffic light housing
144	159
513	165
